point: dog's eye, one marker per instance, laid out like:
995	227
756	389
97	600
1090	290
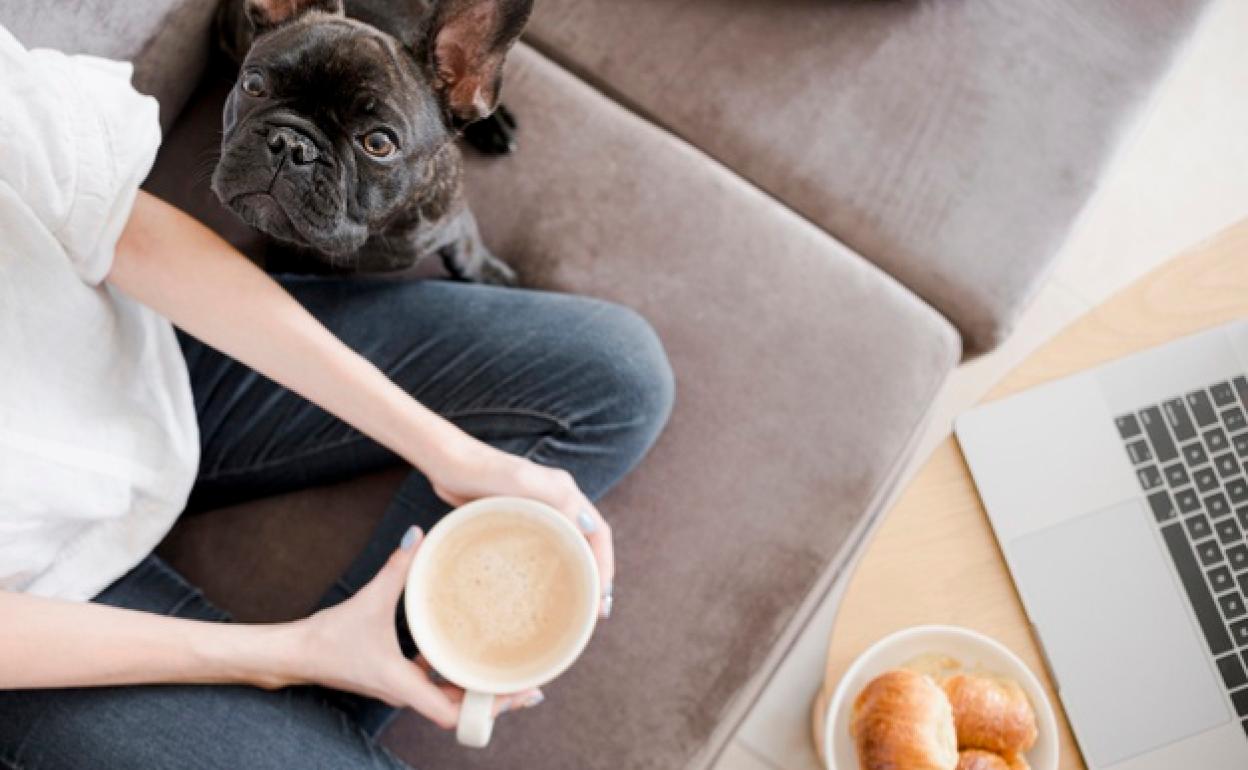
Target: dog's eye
379	144
253	84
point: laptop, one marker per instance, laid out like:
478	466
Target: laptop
1119	497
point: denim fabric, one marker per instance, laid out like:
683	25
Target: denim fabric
567	381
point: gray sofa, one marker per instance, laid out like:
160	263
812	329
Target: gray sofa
821	205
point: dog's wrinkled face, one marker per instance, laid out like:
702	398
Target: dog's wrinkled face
328	131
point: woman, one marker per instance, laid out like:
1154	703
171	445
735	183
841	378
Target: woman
109	421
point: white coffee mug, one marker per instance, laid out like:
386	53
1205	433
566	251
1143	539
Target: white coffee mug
476	719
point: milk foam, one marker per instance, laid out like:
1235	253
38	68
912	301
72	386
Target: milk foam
506	594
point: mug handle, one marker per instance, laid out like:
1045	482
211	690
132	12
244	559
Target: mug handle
476	719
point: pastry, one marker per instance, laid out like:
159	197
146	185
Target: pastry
902	719
991	714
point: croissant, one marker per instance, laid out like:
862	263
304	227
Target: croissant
975	759
991	714
902	721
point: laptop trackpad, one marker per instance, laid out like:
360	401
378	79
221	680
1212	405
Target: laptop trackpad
1133	671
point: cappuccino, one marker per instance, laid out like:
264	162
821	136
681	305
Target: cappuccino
506	595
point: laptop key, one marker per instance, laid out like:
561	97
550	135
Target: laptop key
1178	418
1221	580
1228	532
1215	439
1222	394
1241	387
1205	478
1210	552
1241	444
1232	670
1217	506
1237	490
1234	419
1193	580
1239	633
1232	605
1150	477
1128	426
1158	434
1163	507
1198	527
1193	454
1176	475
1240	699
1202	408
1187	500
1237	556
1243	581
1227	465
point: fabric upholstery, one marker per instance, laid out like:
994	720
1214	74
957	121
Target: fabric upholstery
952	142
168	40
802	374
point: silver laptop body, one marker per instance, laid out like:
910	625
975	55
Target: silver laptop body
1119	497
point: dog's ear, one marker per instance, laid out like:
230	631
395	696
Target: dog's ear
264	15
470	40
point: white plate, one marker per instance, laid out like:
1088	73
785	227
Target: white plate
974	651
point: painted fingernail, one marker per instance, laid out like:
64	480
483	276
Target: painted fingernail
586	522
533	700
608	602
409	539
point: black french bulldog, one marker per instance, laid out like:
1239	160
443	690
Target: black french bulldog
339	136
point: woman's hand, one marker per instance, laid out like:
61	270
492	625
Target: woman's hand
479	470
353	646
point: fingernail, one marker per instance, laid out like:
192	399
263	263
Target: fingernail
409	539
527	703
608	602
533	700
586	522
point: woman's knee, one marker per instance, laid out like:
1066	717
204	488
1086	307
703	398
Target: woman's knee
633	371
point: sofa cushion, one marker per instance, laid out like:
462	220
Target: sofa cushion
953	142
168	40
803	373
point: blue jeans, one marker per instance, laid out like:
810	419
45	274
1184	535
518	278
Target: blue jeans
566	381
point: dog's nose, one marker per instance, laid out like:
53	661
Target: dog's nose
302	150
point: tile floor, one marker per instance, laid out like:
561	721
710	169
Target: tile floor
1180	177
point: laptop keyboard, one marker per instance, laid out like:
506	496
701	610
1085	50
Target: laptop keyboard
1189	454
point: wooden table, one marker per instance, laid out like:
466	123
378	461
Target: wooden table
934	558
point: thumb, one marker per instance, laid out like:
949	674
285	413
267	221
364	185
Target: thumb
392	578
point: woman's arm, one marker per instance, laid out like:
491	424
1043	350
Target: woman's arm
179	268
56	643
182	270
352	646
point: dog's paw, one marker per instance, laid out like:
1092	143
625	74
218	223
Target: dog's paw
495	272
495	135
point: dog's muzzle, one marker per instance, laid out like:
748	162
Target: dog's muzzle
301	149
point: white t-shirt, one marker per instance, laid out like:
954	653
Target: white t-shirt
98	439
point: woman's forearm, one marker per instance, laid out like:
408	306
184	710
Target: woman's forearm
52	643
179	268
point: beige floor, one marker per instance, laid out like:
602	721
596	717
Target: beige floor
1182	175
